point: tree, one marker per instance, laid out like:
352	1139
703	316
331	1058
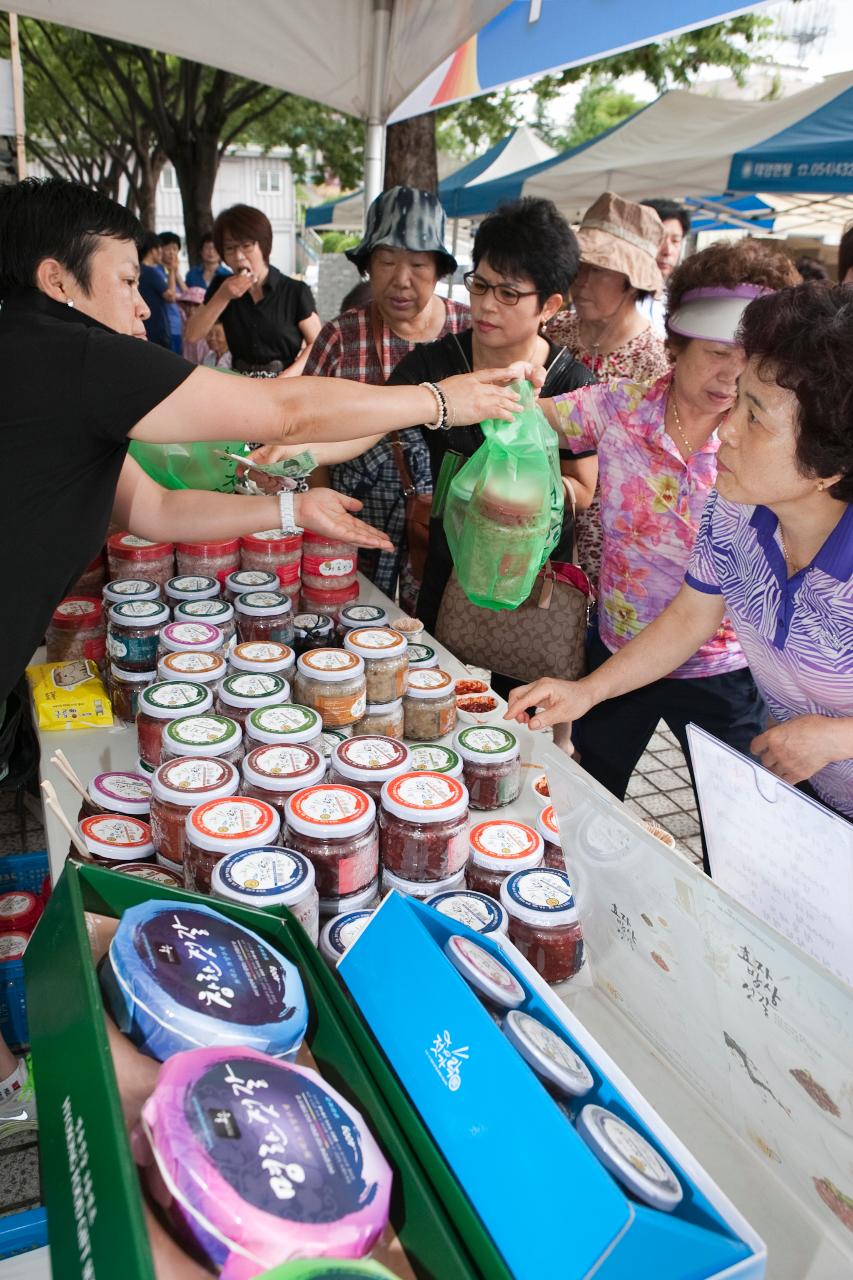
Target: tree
600	106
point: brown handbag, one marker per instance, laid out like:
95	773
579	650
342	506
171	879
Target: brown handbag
544	636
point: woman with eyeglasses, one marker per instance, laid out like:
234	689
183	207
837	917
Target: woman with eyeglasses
270	320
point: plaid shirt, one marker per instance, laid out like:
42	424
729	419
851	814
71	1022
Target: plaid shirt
344	348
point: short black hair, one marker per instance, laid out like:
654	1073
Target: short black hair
530	237
811	268
54	218
169	237
207	238
149	240
802	338
666	208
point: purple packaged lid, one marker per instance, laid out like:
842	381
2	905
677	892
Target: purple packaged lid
121	793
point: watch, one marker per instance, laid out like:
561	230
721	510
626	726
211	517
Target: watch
287	517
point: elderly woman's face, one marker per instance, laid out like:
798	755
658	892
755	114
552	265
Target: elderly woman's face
402	283
757	460
114	298
706	375
598	292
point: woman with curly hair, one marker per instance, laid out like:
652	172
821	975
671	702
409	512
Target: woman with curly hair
774	551
657	456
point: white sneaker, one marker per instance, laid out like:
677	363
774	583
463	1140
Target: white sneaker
18	1112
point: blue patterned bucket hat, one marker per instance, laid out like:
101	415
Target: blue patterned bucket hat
404	218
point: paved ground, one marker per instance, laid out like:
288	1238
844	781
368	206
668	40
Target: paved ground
660	789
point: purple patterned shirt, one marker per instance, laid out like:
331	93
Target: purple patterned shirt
797	632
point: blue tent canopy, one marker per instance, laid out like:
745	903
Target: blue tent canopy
815	154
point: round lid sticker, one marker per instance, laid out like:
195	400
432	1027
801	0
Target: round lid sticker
261	651
365	752
288	718
233	818
505	839
283	762
190	633
250	578
117	831
425	791
330	806
15	904
435	758
265	871
191	584
343	931
363	613
76	607
252	686
375	638
429	678
189	663
263	600
475	910
542	890
131	540
484	971
140	609
194	775
123	786
202	730
174	693
320	660
487	739
203	608
640	1154
12	945
131	586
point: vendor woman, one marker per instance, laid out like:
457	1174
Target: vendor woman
774	551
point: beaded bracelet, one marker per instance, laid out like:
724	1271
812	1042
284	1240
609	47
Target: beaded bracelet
441	422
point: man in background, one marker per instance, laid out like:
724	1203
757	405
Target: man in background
676	228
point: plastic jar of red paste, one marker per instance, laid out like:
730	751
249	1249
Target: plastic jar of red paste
332	682
368	761
327	602
264	615
217	613
429	705
312	631
218	828
546	825
191	637
125	793
243	580
273	773
491	765
364	900
263	657
334	826
423	826
268	879
76	630
241	693
178	787
158	704
200	668
209	735
543	922
191	586
498	848
284	726
125	688
327	562
132	557
125	589
272	549
111	838
209	559
133	634
19	911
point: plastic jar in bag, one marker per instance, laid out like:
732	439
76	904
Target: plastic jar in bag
491	765
354	617
201	668
191	637
113	838
368	761
263	657
242	692
272	549
132	557
386	661
264	615
76	630
191	586
158	704
283	725
498	848
326	563
269	878
423	826
125	688
327	602
208	735
273	773
217	828
429	704
546	825
209	559
178	787
543	922
332	682
217	613
243	580
385	719
312	631
125	589
334	826
133	634
435	759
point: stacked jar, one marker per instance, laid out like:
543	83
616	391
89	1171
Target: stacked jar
421	656
273	773
128	794
312	631
125	690
429	705
268	879
160	703
216	613
546	825
283	725
241	693
368	762
386	668
332	682
491	765
191	586
328	603
132	557
243	580
191	637
354	617
200	668
334	826
76	631
543	922
209	559
498	848
125	589
110	838
264	615
178	787
133	634
263	657
221	827
280	552
209	735
435	759
423	823
328	574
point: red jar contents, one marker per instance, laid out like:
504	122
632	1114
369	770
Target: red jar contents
546	825
312	631
327	562
110	838
283	725
209	559
178	786
217	613
386	662
334	826
263	657
191	637
158	704
92	579
423	826
274	550
243	580
264	615
219	827
19	911
125	688
368	761
125	589
327	602
498	848
132	557
200	668
274	773
76	630
421	889
365	900
543	922
491	765
208	735
133	634
191	586
242	693
126	793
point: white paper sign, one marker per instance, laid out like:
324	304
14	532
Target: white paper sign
777	851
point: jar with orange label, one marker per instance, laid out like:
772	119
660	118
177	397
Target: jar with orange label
423	826
264	615
161	702
273	773
201	668
546	825
217	613
368	762
242	692
334	826
498	848
332	681
132	557
219	827
114	838
178	787
429	704
76	630
386	661
327	563
263	657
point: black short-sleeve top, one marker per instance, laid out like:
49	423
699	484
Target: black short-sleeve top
70	391
259	332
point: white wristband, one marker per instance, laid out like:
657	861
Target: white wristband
286	515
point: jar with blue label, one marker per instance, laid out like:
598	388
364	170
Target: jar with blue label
543	922
476	910
339	933
269	878
133	634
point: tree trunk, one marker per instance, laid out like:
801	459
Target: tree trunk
196	164
148	175
410	154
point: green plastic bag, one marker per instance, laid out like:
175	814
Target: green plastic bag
504	510
189	466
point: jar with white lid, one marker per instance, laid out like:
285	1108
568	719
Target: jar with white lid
435	758
368	761
209	559
178	787
264	615
494	982
263	657
208	735
564	1074
284	725
133	633
132	557
111	838
221	827
630	1157
385	719
117	792
355	616
160	703
386	661
476	910
328	740
271	549
241	693
339	933
429	704
191	637
491	765
423	826
200	668
328	562
191	586
421	889
273	773
366	899
268	878
76	631
546	825
543	921
312	631
332	682
422	656
125	589
498	848
334	826
243	580
218	613
125	688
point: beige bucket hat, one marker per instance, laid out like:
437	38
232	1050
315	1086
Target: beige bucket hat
623	236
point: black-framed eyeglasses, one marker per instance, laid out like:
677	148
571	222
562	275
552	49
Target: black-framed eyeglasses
503	292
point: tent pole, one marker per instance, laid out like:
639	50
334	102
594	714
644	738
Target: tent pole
18	96
374	136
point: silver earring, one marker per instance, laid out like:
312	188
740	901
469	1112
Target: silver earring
820	486
69	303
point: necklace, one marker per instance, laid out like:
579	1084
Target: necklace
686	445
794	568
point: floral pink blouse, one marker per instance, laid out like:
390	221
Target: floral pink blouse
651	505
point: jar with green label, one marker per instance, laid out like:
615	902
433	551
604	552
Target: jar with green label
491	765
